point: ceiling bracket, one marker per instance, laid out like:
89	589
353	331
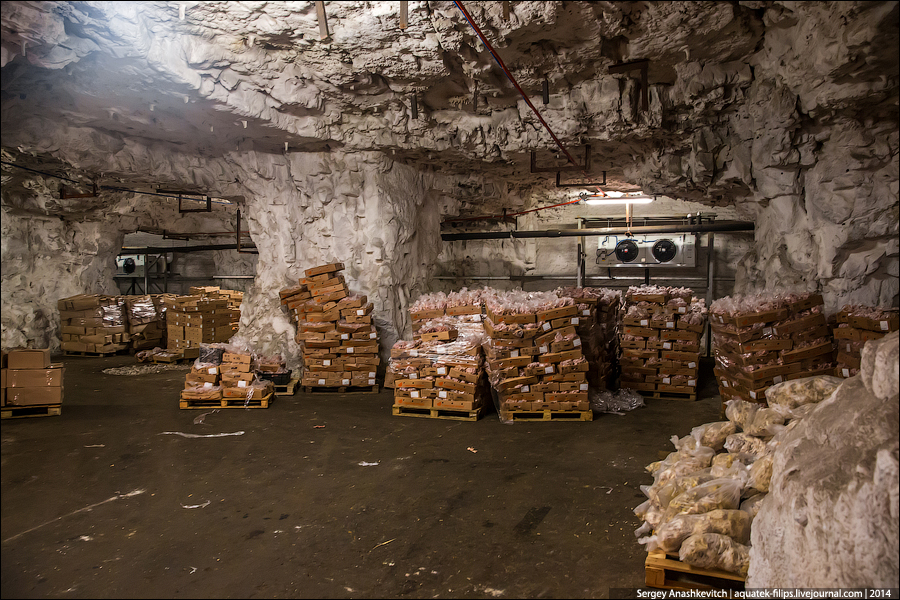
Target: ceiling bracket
585	167
585	184
238	239
64	195
181	197
635	65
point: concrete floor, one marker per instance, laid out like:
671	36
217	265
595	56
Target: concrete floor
100	503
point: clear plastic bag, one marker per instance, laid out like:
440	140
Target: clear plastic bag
718	493
740	413
713	435
682	463
766	422
715	551
797	392
752	504
743	442
761	473
733	523
620	401
663	494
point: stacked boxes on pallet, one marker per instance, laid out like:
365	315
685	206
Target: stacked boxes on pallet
293	299
29	379
598	312
764	339
233	297
856	325
442	368
660	340
335	330
146	325
194	320
535	359
93	323
222	375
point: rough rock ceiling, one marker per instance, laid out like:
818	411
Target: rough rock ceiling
207	78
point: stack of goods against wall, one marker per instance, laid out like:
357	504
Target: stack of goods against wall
233	297
442	368
194	320
338	340
856	325
30	379
535	359
146	323
598	326
763	339
705	495
93	324
660	339
224	376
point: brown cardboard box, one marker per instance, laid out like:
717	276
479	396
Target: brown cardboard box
33	396
29	359
23	378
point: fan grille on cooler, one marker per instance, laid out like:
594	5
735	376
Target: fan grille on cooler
626	250
664	250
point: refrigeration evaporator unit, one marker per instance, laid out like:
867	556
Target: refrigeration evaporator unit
678	250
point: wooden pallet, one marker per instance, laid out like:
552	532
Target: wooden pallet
20	412
402	410
665	571
669	396
226	403
93	354
170	360
547	415
288	389
343	389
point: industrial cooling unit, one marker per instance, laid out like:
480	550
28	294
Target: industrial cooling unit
652	250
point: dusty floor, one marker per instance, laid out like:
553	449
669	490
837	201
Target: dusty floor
101	503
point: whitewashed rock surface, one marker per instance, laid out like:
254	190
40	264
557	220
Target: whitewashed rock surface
830	519
780	112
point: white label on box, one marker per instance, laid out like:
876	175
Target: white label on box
413	375
884	325
321	382
373	335
361	313
670	324
514	353
212	371
576	341
345	336
442	370
414	394
326	362
350	350
753	394
767	331
345	382
546	326
644	322
442	394
692	382
846	372
583	387
574	320
682	309
666	380
692	365
476	318
413	352
371	382
586	313
207	384
526	389
544	349
371	374
778	379
724	383
242	383
548	369
667	345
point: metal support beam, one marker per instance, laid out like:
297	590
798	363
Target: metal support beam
717	226
63	195
635	65
545	91
238	237
585	167
505	14
323	21
414	105
404	14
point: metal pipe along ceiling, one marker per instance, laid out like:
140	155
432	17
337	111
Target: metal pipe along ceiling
719	226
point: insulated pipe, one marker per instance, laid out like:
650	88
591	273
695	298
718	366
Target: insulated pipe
163	250
718	226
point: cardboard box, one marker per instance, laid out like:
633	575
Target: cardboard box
560	356
320	270
34	396
28	359
558	313
19	378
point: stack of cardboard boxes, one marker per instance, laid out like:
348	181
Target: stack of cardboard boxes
93	324
442	368
338	340
146	325
229	381
856	325
598	317
535	359
193	320
763	340
660	341
234	299
30	380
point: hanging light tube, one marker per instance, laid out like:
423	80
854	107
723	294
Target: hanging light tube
618	198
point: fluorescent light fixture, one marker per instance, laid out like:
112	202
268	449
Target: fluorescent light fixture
623	199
